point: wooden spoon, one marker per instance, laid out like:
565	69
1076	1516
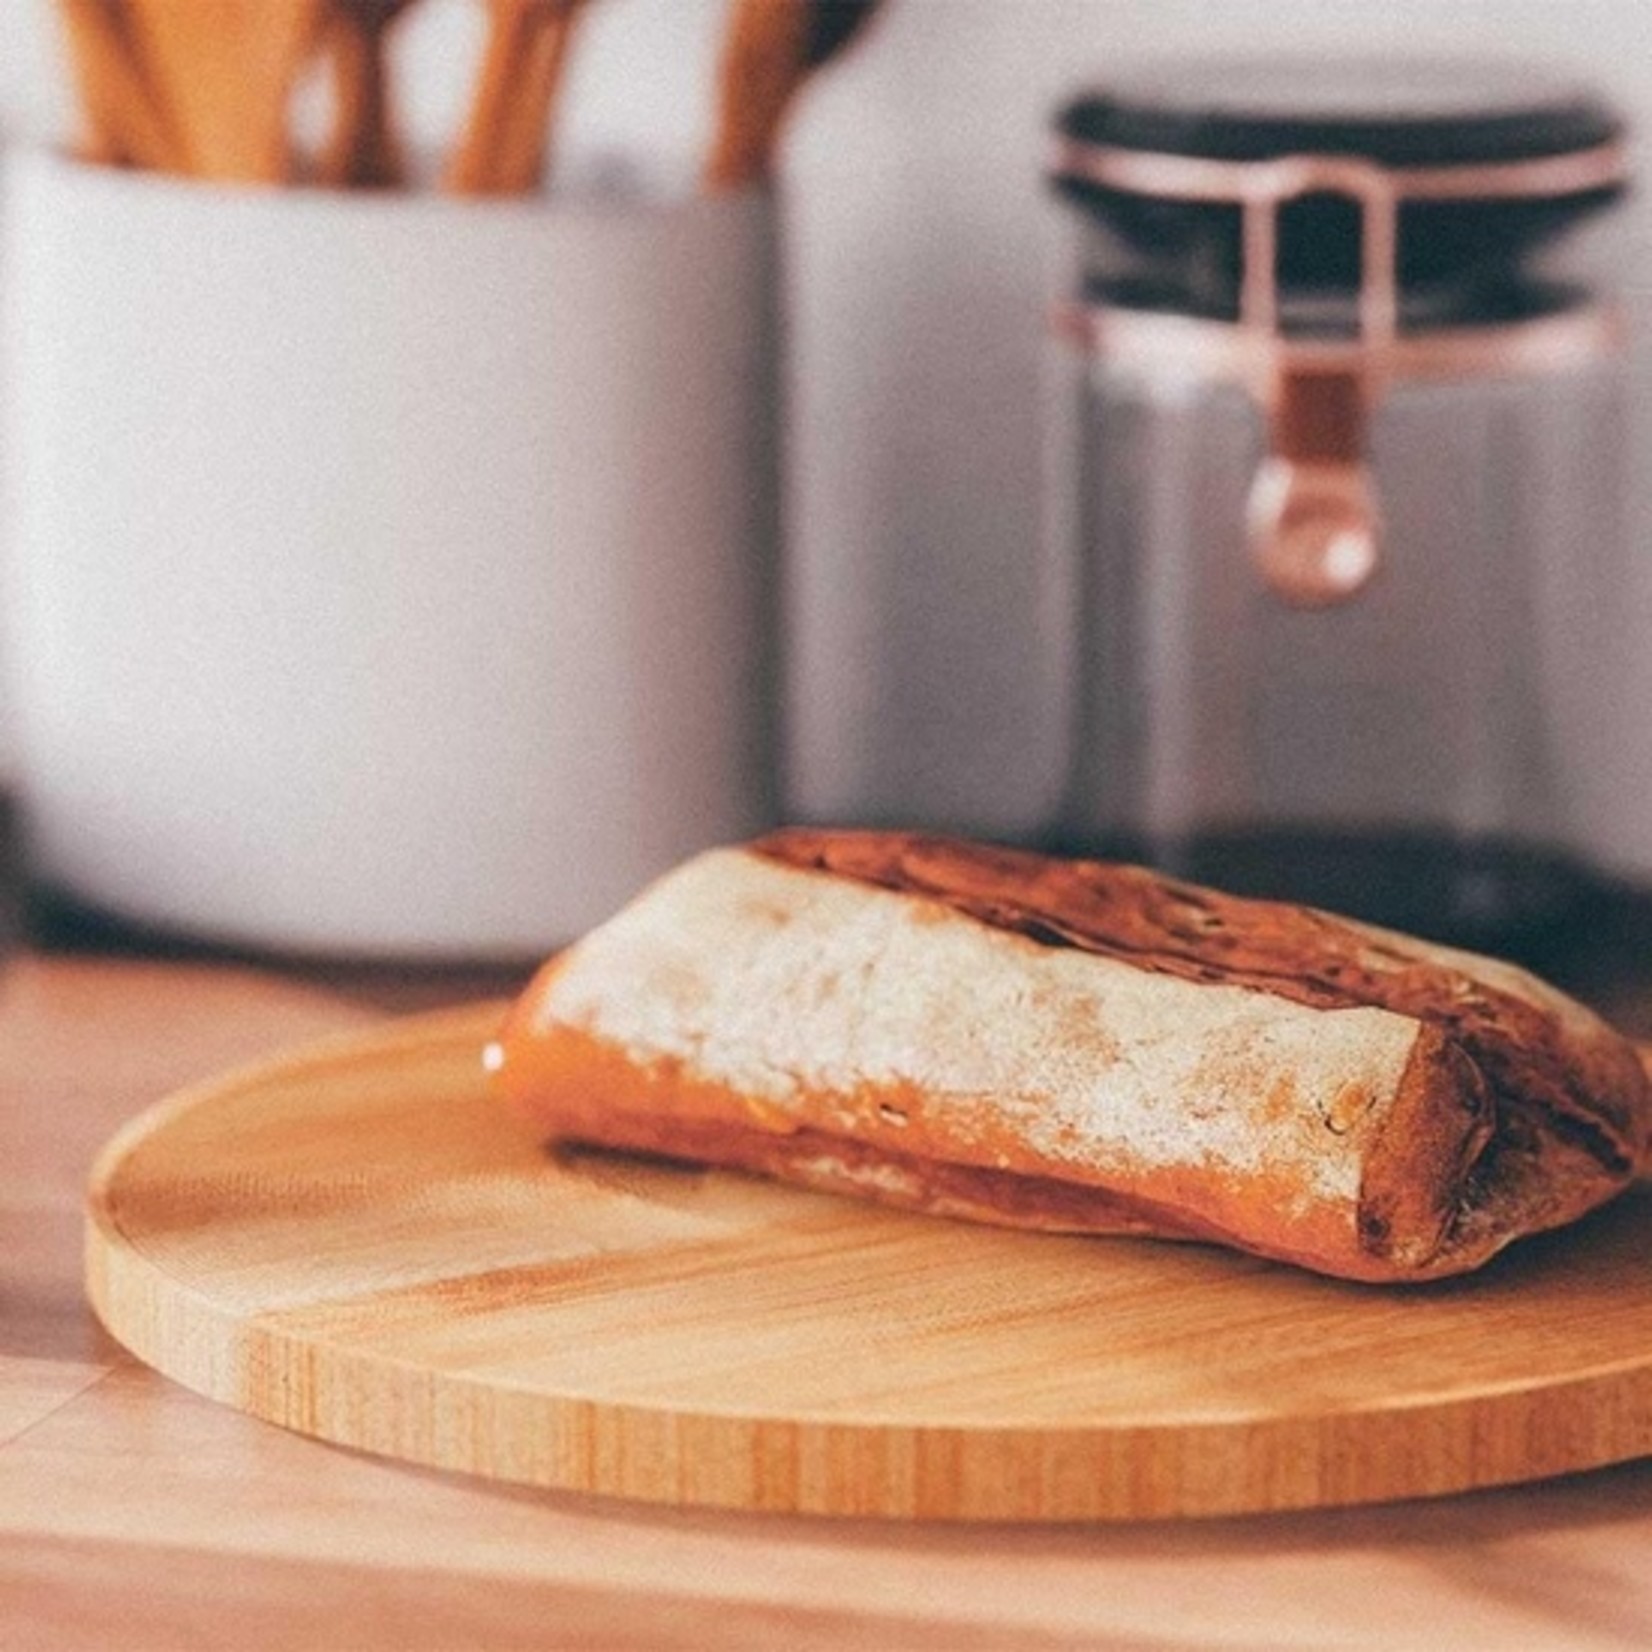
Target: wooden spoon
523	153
770	49
503	149
365	148
226	69
125	123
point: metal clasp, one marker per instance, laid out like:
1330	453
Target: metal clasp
1313	520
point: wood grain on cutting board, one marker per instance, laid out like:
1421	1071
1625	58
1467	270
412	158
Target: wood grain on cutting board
360	1244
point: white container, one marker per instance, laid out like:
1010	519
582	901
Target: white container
389	575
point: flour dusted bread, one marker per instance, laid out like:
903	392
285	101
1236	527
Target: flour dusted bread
1082	1048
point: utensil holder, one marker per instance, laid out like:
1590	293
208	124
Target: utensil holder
388	576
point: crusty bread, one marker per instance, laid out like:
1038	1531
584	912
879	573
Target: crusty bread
1080	1047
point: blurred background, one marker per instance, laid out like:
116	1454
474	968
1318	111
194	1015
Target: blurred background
918	238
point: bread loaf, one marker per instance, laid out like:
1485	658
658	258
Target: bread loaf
1082	1048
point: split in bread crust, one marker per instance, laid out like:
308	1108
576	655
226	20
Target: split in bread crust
1080	1047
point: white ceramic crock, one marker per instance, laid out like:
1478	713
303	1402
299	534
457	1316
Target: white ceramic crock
388	575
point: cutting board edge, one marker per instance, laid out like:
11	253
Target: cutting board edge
817	1465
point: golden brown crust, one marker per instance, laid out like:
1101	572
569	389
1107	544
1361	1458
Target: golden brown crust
606	1098
1402	1114
1442	1120
1292	952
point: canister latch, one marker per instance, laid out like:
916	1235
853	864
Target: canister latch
1313	521
1314	517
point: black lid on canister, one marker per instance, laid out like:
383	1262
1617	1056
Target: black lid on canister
1396	113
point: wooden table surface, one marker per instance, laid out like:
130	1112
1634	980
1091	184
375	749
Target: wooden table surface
134	1515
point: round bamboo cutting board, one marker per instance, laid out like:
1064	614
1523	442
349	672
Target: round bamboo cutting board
357	1244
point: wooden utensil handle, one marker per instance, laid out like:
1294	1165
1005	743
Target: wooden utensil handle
523	149
364	148
772	47
226	71
469	170
502	150
125	120
762	65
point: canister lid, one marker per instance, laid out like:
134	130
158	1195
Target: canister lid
1396	113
